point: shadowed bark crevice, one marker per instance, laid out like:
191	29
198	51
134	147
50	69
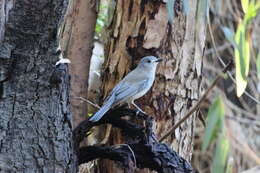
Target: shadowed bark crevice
144	151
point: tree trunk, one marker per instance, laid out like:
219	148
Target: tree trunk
35	121
140	28
77	36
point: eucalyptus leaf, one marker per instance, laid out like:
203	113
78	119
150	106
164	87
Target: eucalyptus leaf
252	11
220	156
242	57
214	122
242	50
245	4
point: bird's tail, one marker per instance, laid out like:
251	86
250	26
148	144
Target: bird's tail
98	115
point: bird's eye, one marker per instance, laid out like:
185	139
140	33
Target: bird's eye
149	61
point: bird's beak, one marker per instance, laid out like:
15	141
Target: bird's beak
159	60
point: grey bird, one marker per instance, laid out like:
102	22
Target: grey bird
133	86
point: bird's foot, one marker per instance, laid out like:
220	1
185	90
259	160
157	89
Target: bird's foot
138	111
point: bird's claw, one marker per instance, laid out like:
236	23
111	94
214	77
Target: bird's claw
138	111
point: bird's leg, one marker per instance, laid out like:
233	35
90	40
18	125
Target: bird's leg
139	109
107	134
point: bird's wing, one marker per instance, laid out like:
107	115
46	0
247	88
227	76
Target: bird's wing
127	90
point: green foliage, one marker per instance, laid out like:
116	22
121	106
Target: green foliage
215	122
240	42
252	11
250	8
215	130
89	114
245	4
242	58
221	154
101	19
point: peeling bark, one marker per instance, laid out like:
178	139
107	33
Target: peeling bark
140	28
35	121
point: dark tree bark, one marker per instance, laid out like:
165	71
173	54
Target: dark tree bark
35	119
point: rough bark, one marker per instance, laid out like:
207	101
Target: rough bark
35	121
77	39
140	28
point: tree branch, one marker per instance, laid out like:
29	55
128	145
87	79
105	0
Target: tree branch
114	117
144	152
158	157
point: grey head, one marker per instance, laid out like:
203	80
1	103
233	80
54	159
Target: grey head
149	63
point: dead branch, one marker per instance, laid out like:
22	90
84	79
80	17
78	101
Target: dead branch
158	157
144	149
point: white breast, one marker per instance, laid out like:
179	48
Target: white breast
144	91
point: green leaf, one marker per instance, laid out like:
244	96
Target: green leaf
229	168
220	156
89	114
258	66
242	51
229	34
245	4
214	122
170	7
98	29
252	11
242	57
186	7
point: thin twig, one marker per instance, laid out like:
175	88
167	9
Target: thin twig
220	48
194	108
238	109
243	120
107	134
88	101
